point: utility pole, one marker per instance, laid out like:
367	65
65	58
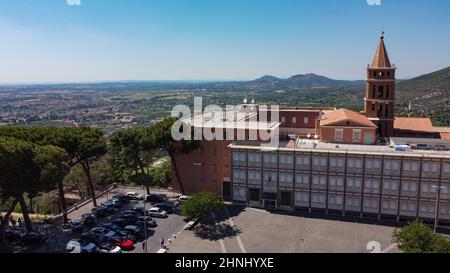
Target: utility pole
436	212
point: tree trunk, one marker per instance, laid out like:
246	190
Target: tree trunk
4	225
62	201
177	174
141	166
26	216
31	204
87	171
80	189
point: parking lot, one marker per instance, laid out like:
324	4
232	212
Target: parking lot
57	237
235	229
248	230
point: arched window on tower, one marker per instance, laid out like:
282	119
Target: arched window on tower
380	91
387	92
386	114
374	91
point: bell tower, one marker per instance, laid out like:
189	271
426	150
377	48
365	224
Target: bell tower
380	91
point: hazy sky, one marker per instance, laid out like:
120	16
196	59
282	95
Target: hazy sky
51	41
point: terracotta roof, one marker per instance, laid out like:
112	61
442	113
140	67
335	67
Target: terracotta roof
445	136
343	117
442	129
381	59
414	124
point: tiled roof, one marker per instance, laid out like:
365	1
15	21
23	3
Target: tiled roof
414	124
346	117
445	136
381	59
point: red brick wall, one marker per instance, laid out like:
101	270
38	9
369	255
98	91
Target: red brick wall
328	135
215	159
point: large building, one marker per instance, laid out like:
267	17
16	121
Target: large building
328	159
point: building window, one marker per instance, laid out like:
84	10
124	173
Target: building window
283	120
239	194
387	92
305	120
356	135
339	135
380	91
337	181
303	160
254	194
302	179
302	197
294	120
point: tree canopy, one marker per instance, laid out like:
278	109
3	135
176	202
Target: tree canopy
416	237
201	205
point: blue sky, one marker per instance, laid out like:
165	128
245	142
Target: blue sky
50	41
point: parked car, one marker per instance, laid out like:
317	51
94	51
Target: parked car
121	197
135	196
157	213
92	237
100	211
150	222
180	200
123	243
76	225
164	206
131	218
88	219
115	202
14	234
80	246
99	231
109	247
121	222
109	206
31	238
154	198
136	231
140	210
183	198
131	211
112	227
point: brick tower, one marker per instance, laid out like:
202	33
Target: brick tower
380	92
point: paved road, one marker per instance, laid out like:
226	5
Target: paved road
166	229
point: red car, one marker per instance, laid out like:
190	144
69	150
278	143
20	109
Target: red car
122	242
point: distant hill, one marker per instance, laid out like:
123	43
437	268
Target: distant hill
300	81
427	91
439	80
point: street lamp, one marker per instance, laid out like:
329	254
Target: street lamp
145	226
436	212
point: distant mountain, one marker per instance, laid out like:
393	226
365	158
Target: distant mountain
300	81
435	81
267	78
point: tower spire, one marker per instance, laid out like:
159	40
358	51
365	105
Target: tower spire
381	59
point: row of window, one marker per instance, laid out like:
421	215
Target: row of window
339	135
334	181
320	200
294	120
339	162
